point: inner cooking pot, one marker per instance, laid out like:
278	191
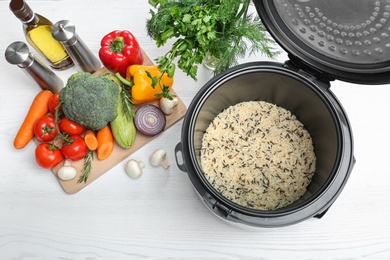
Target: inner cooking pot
313	104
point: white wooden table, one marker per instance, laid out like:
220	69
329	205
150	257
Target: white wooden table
160	215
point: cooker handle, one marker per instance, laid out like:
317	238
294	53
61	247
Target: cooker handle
180	163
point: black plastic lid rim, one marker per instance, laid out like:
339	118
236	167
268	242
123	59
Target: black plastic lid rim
315	55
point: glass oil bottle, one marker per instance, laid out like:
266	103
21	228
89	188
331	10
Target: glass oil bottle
37	30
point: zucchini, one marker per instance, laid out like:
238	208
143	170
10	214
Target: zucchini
122	127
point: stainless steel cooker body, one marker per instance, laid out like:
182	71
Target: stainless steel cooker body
314	105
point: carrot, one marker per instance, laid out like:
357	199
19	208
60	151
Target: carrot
38	108
105	143
90	140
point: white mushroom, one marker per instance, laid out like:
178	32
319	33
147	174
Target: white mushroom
159	157
134	168
67	171
167	105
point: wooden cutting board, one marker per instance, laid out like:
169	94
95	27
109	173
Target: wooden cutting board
119	153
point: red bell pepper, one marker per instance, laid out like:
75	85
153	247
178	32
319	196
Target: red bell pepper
120	49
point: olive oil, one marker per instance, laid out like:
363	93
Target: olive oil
38	33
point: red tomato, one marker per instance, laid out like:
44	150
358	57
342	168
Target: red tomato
54	101
70	127
45	129
75	149
47	155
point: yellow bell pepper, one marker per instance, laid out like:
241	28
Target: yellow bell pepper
142	90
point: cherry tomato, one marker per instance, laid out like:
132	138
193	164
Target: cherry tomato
48	155
54	101
44	129
70	127
75	149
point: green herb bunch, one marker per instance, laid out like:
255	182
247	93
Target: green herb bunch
220	28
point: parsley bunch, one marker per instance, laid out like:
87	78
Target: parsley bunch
220	28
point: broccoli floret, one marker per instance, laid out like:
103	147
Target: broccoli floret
90	100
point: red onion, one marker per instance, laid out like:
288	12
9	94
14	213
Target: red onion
149	120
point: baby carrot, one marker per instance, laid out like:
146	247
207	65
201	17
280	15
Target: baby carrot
38	108
105	143
90	140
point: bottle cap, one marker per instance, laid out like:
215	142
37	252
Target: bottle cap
21	10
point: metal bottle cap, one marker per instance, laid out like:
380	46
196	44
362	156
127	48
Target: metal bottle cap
64	31
18	53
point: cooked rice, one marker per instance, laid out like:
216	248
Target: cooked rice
258	155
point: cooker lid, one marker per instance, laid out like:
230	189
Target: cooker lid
346	39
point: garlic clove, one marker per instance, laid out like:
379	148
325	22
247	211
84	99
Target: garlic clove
167	105
66	173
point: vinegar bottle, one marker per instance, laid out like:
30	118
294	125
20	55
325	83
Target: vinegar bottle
37	30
